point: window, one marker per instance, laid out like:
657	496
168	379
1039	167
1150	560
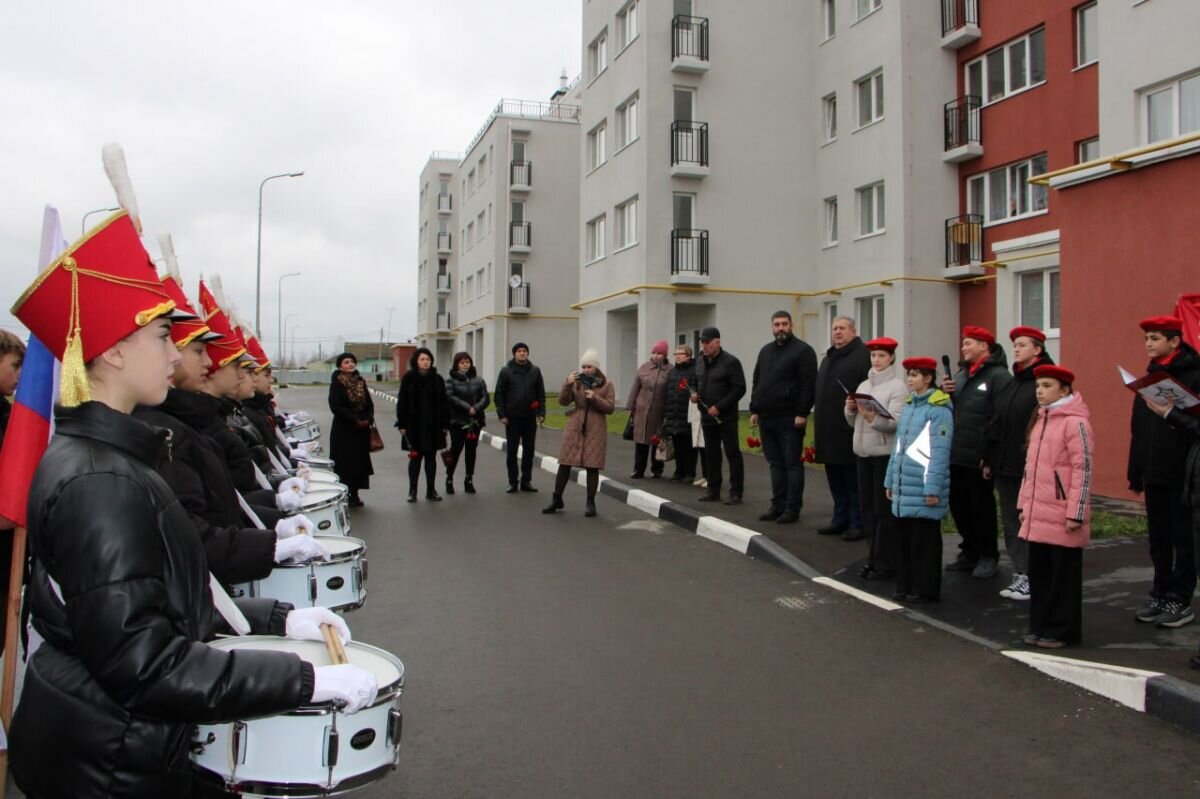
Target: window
626	218
828	18
470	182
595	239
469	294
1087	42
480	230
831	221
870	210
518	269
627	122
1087	150
469	238
1040	300
627	25
598	54
1005	193
682	211
869	311
479	287
483	168
870	98
518	150
829	114
1007	70
866	7
831	313
596	145
1173	110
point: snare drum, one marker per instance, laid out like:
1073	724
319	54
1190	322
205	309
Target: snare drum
338	583
316	461
304	430
315	750
319	475
326	507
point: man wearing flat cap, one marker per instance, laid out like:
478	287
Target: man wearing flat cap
721	384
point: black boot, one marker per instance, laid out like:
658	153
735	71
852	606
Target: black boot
512	488
412	493
590	508
432	495
449	486
468	485
556	504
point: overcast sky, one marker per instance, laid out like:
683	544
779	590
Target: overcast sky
209	98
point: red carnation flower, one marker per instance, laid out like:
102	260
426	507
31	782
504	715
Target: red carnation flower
809	456
655	440
533	406
683	384
413	454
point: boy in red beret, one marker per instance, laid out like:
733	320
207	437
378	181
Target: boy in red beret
1157	455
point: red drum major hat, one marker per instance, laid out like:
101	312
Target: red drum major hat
102	289
1059	373
228	348
883	343
928	364
190	326
1163	324
257	352
1027	332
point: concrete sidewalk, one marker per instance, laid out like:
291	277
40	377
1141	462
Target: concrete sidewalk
1117	576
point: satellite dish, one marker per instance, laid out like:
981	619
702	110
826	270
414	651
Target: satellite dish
515	281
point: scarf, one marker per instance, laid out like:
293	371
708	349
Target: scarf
356	390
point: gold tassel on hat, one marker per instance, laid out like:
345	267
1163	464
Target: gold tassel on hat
73	386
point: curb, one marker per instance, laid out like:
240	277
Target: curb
1151	692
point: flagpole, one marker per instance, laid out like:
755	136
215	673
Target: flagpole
12	616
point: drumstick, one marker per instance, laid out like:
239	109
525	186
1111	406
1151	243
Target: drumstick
333	643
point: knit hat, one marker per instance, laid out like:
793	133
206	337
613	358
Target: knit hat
520	345
660	347
590	358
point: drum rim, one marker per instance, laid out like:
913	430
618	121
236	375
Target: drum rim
302	790
322	505
341	557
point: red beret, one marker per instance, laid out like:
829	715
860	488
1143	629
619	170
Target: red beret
1059	373
928	364
1165	324
883	343
979	334
1028	332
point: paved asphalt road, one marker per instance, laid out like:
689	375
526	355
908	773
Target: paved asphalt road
558	656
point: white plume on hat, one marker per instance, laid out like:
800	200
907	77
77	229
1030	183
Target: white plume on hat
118	175
167	246
590	358
218	292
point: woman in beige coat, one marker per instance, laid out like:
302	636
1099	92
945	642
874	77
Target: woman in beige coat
585	441
647	403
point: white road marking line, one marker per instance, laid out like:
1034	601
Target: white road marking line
871	599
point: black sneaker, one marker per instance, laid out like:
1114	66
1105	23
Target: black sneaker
1175	614
1150	612
512	488
961	564
528	488
787	517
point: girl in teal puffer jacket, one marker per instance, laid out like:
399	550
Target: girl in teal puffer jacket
918	482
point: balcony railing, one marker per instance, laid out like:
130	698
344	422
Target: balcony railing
960	23
443	322
689	253
961	127
443	283
443	242
520	174
518	298
520	234
689	37
444	203
689	143
964	245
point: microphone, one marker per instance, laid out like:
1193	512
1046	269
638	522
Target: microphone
946	366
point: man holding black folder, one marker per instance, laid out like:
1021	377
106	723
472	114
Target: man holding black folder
845	365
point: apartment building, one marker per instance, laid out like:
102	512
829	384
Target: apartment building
738	158
498	263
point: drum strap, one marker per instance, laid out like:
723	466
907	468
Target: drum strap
263	482
249	511
279	467
226	607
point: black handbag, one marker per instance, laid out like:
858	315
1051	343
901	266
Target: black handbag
628	434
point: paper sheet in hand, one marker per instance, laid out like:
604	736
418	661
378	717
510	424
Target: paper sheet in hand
1160	387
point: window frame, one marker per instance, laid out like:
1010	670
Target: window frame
870	313
598	55
625	229
623	123
1081	156
828	19
830	209
980	201
878	205
872	7
829	117
597	140
1007	48
1175	87
627	12
594	241
1080	11
873	82
1048	310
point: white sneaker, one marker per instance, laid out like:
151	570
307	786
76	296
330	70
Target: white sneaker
700	481
1018	589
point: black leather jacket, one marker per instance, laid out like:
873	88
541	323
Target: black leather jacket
465	392
119	590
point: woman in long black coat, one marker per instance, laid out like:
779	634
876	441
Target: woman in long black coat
422	416
350	435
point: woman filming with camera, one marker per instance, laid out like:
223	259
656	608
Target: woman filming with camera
585	440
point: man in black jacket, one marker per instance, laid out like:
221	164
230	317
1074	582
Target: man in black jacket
721	383
784	386
1157	460
520	399
844	367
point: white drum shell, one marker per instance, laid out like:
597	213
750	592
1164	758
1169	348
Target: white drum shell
326	508
338	584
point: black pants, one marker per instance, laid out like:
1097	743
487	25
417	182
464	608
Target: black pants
458	444
524	432
1009	488
783	446
843	485
414	471
878	522
685	456
1055	591
717	436
919	557
973	506
1169	524
642	453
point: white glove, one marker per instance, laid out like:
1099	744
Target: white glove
304	624
288	501
347	685
298	454
297	484
304	472
300	547
294	525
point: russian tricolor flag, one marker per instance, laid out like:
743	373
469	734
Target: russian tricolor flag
32	419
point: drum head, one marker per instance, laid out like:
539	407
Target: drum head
341	544
320	498
387	668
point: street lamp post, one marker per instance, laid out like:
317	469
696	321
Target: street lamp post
83	225
258	259
294	329
279	313
390	308
283	343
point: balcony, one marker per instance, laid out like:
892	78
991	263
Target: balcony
964	246
443	284
960	23
689	44
520	236
443	322
445	206
443	243
689	149
689	257
518	299
961	127
520	175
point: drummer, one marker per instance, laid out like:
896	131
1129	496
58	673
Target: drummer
119	588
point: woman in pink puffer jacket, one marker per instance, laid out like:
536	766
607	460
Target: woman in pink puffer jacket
1055	508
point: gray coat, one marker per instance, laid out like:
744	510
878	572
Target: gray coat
647	400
